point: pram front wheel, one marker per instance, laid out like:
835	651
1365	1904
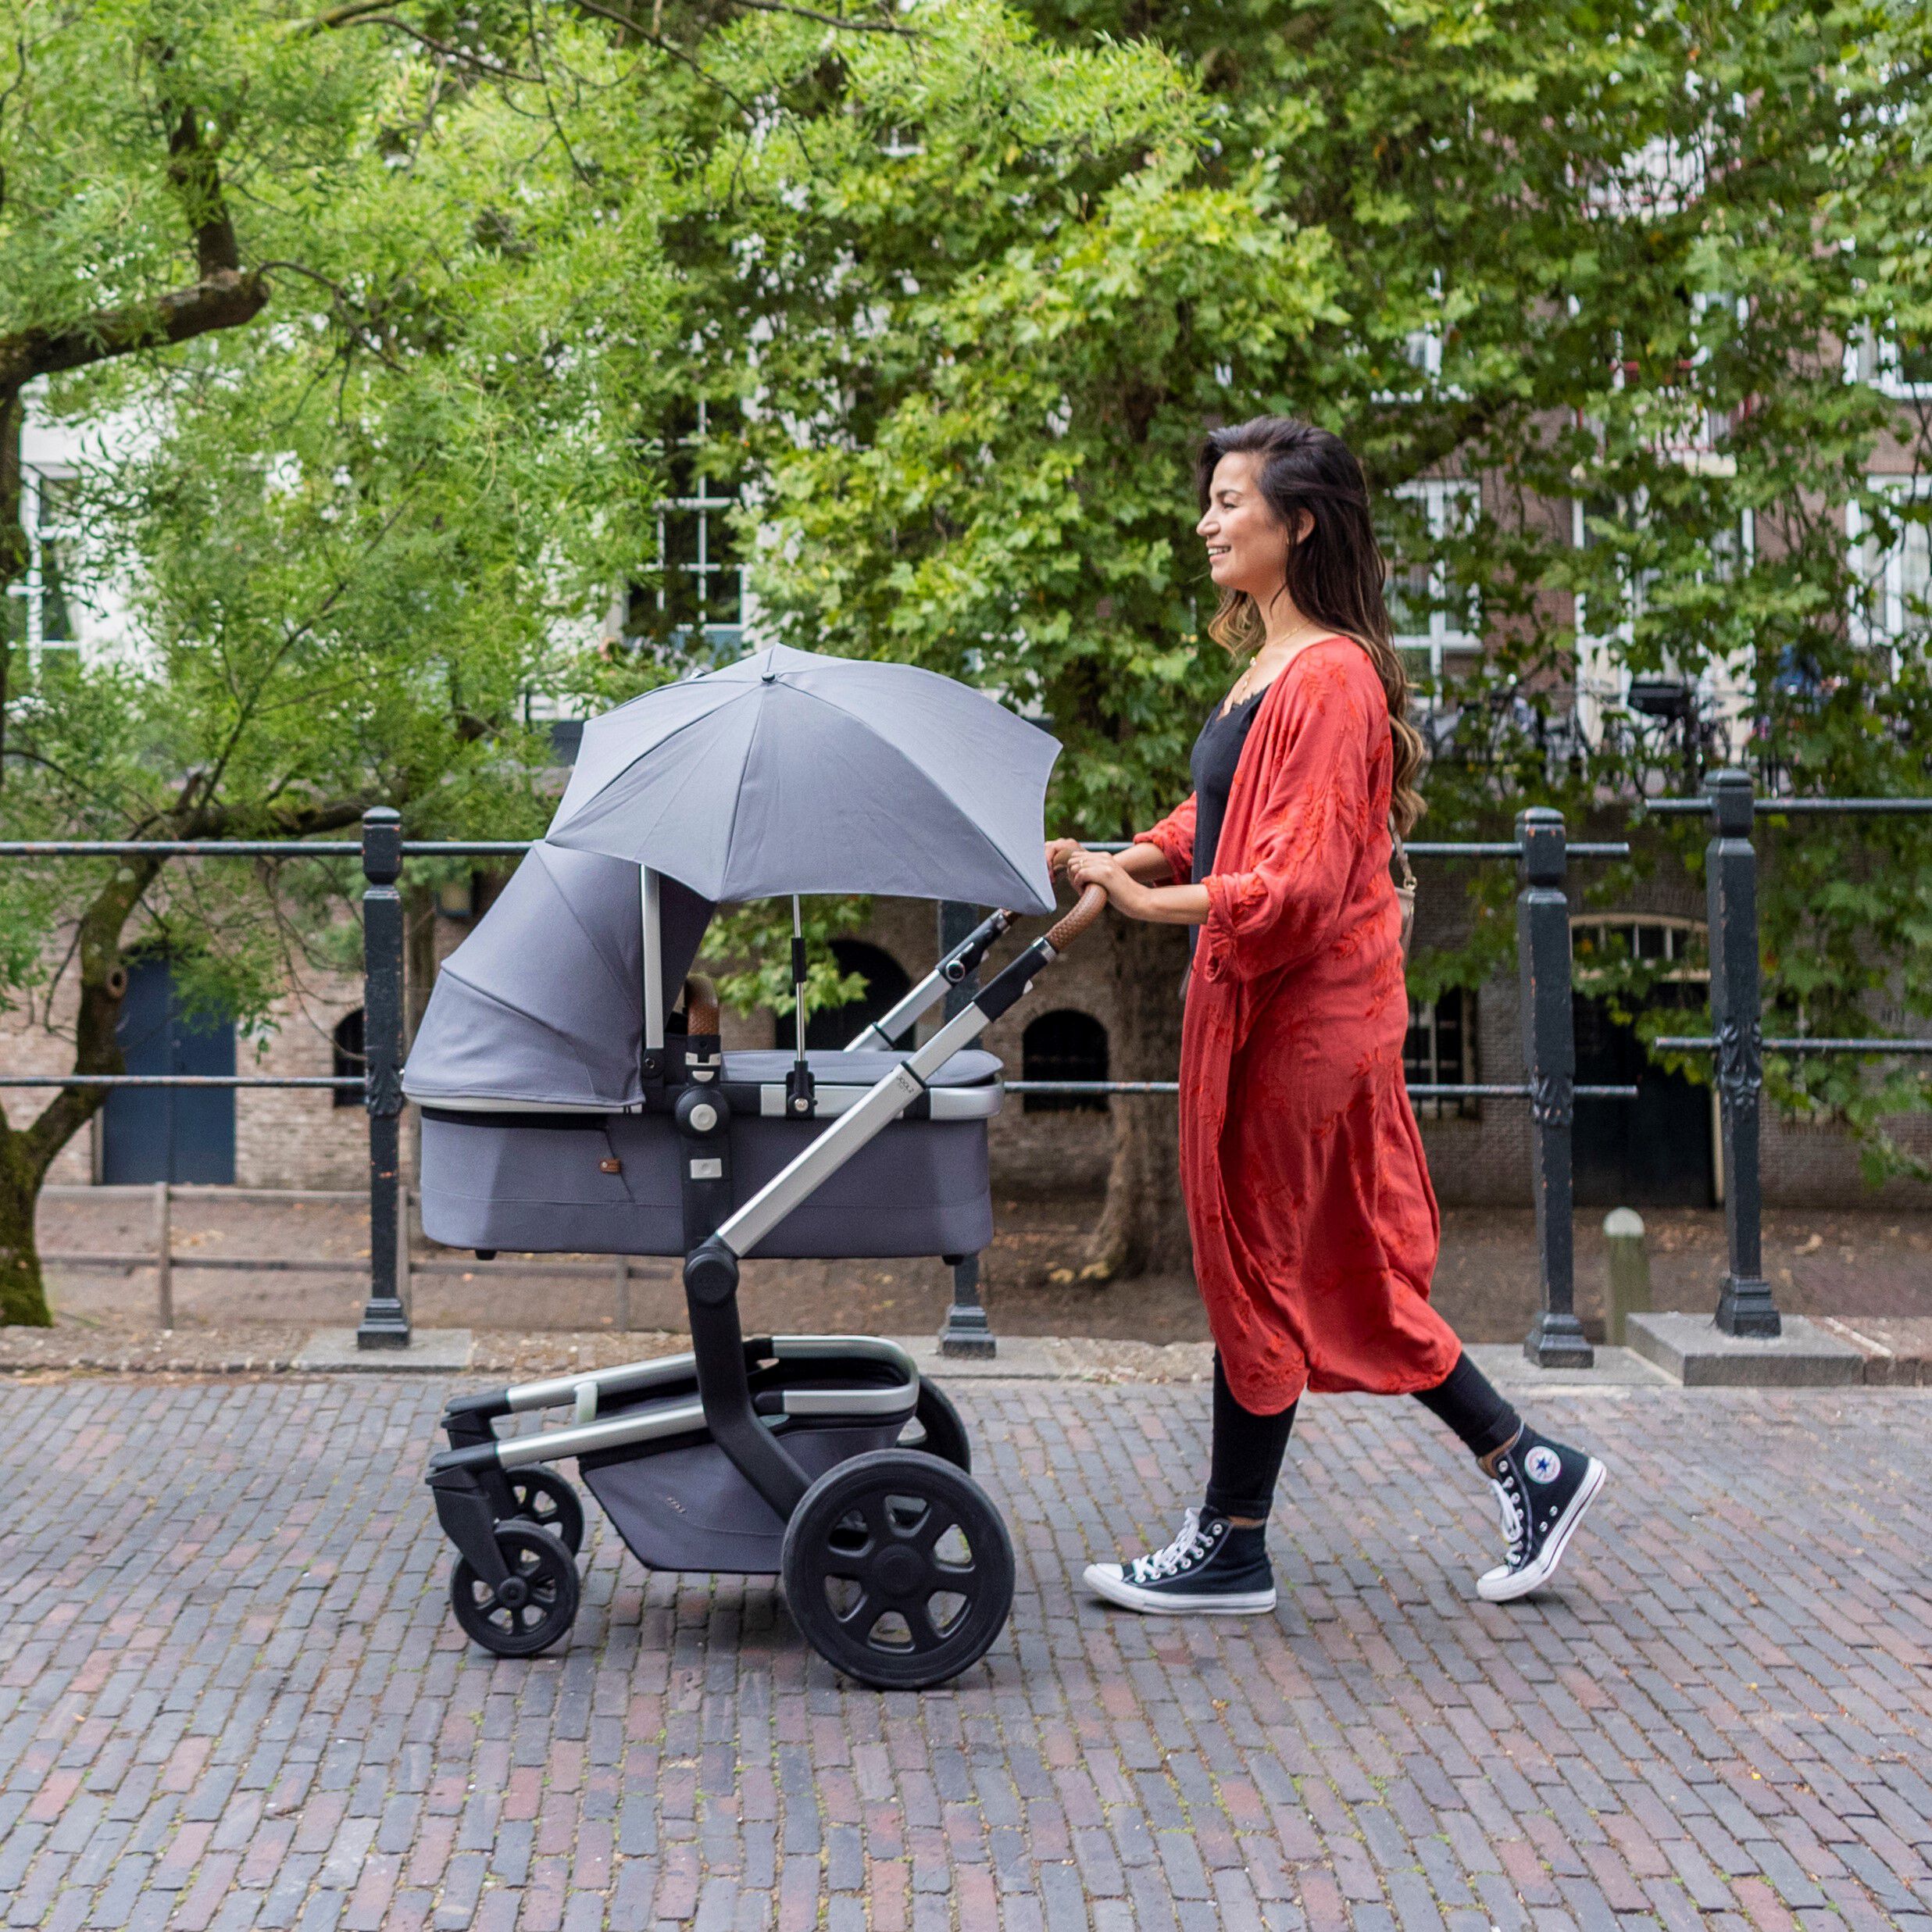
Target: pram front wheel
897	1570
532	1608
542	1497
941	1432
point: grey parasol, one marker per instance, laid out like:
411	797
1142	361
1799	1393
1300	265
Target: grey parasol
787	772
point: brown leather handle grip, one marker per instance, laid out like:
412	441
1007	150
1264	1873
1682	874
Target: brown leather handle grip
1093	902
700	1007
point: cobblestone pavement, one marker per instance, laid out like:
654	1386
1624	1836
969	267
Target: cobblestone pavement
230	1695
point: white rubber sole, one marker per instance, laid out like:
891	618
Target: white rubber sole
1105	1579
1502	1585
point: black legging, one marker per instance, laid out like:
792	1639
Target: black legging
1246	1458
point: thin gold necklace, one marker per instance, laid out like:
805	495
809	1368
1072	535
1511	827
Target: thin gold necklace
1243	683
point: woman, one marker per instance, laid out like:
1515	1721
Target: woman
1315	1227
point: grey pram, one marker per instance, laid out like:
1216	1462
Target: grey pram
574	1096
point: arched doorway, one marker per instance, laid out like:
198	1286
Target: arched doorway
1064	1044
1657	1150
886	985
181	1133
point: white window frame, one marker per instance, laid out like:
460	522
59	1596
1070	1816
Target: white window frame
41	531
1463	1073
704	502
1451	505
1683	939
1894	628
1872	358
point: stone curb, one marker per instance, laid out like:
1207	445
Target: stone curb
1868	1353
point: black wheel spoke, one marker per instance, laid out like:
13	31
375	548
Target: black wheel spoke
935	1525
918	1620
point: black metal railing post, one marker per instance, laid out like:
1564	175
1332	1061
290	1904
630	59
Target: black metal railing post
1744	1303
1555	1340
967	1331
385	1323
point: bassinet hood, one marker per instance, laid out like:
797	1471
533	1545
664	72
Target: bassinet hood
543	1004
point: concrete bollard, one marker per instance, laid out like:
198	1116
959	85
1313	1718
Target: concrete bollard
1626	1272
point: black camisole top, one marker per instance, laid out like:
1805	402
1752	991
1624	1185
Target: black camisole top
1217	751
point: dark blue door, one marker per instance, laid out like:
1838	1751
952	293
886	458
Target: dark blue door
150	1134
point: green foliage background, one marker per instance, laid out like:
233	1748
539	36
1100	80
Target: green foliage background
384	316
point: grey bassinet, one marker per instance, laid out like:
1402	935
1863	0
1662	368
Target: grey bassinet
539	1071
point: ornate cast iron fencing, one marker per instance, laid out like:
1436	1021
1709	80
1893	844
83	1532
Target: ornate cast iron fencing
1746	1305
1541	853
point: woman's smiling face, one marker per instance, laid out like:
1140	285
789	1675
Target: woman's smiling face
1247	548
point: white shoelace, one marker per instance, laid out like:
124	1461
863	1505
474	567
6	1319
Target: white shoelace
1191	1543
1514	1528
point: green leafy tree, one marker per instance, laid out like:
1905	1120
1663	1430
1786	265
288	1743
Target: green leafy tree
1635	267
373	325
976	294
1609	263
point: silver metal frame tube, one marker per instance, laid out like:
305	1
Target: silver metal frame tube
852	1401
847	1134
647	899
547	1445
559	1391
884	1031
817	1347
947	1103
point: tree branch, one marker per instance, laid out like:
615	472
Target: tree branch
444	50
222	300
96	1045
195	178
763	6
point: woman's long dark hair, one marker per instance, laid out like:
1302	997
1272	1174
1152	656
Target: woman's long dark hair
1334	574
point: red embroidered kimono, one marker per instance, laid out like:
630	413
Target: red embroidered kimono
1315	1227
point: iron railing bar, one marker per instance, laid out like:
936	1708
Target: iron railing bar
1776	808
179	848
1441	849
466	848
1809	1043
252	847
181	1080
233	1264
1429	1090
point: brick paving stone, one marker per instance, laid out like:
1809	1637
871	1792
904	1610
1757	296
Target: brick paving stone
231	1694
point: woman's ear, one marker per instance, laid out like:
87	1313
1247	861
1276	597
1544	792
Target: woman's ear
1304	523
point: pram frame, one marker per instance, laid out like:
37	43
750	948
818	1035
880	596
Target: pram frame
469	1480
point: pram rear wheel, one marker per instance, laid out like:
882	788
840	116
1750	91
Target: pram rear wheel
897	1570
941	1432
544	1497
532	1608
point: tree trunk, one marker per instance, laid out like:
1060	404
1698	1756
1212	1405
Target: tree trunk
419	957
1142	1227
16	553
22	1292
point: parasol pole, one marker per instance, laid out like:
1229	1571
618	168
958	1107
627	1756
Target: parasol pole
798	1083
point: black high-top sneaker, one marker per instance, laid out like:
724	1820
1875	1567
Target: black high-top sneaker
1210	1566
1542	1490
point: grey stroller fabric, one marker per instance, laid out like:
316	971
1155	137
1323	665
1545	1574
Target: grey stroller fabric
543	1004
791	772
585	1184
687	1509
